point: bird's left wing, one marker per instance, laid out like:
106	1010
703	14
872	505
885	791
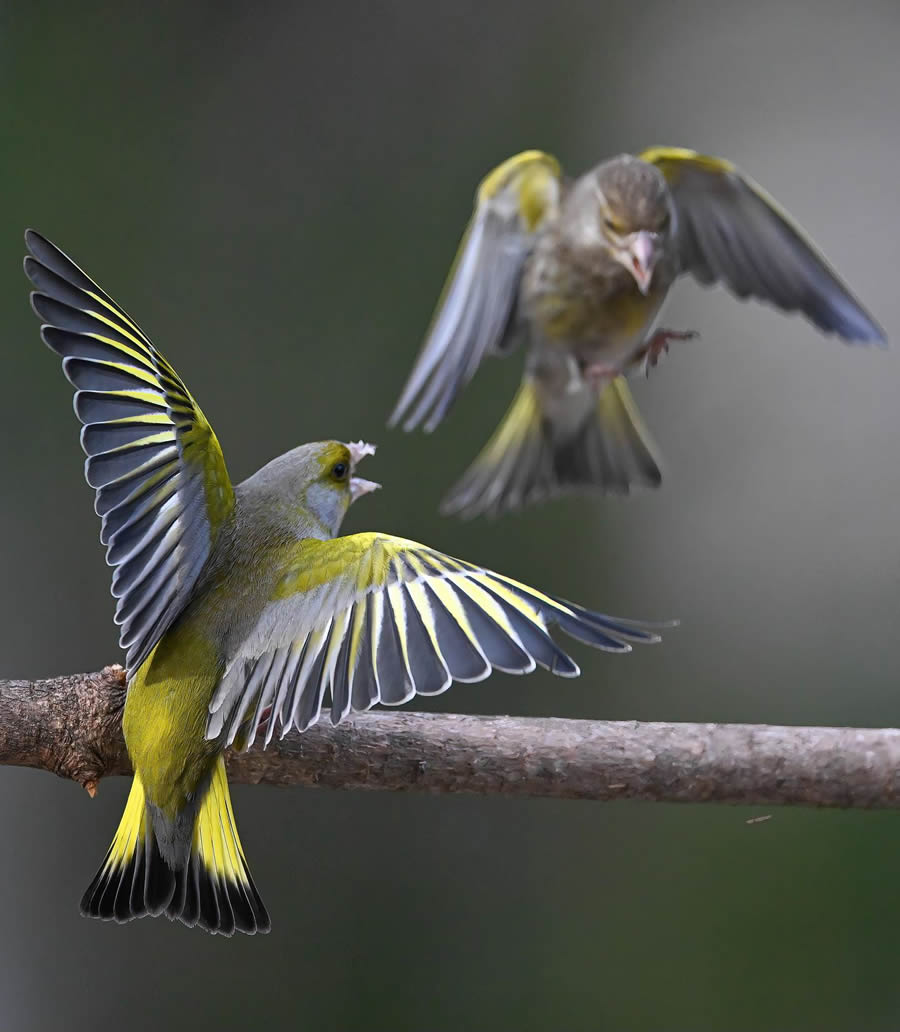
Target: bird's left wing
371	618
162	487
729	229
475	313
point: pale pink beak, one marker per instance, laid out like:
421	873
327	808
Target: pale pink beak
359	486
642	250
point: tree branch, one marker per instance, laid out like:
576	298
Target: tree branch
72	726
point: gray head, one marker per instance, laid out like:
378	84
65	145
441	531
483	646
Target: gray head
308	490
634	194
633	212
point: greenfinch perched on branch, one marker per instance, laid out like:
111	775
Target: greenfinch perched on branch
578	271
241	610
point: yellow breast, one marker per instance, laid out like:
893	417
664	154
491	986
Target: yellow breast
605	323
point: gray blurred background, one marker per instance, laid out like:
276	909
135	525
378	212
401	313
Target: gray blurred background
276	193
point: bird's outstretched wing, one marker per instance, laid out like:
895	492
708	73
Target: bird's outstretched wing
730	229
371	618
162	489
475	313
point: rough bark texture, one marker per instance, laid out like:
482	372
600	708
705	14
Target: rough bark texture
71	726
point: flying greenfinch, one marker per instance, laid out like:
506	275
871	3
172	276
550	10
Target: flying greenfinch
578	271
241	610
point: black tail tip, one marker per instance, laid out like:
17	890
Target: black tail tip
220	906
193	895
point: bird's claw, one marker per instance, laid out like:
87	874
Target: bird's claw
658	345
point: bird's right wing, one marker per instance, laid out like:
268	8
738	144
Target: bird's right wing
372	618
474	315
162	486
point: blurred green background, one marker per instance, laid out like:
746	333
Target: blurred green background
275	193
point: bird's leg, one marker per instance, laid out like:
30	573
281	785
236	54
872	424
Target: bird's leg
657	344
599	374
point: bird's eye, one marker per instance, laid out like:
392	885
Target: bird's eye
340	470
609	224
664	221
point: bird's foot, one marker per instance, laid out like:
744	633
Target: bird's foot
658	345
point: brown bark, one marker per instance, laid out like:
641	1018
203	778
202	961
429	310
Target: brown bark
71	726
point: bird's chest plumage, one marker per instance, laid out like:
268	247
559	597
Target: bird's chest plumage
582	300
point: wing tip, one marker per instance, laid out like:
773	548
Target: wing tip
878	337
850	321
400	408
405	412
609	633
32	236
36	296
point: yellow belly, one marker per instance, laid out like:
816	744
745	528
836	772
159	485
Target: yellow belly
165	717
607	329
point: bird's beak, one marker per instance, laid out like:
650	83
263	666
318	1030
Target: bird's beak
359	486
641	254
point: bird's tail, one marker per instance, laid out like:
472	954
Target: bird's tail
531	456
212	888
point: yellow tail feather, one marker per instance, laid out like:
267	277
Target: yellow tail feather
532	456
213	889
